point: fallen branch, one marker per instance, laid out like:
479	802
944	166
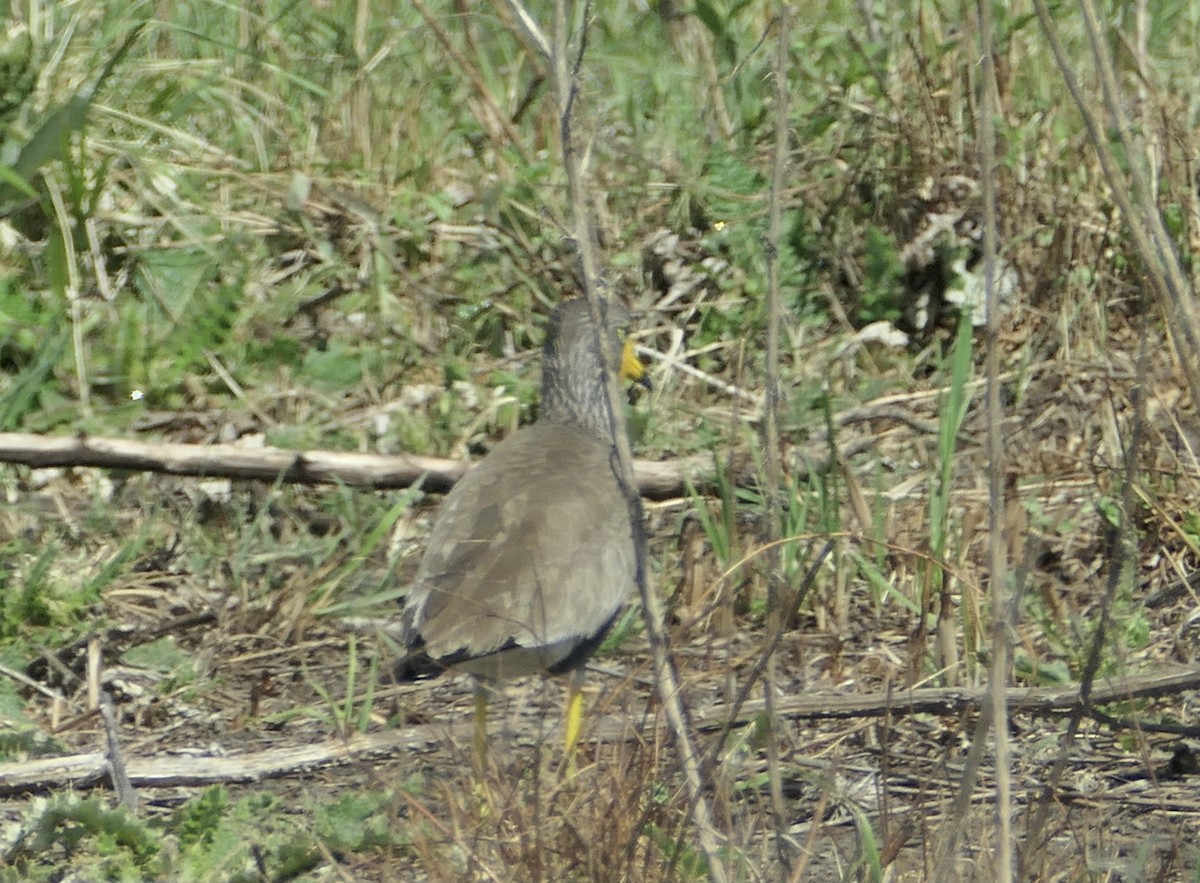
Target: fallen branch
162	770
953	700
82	770
656	480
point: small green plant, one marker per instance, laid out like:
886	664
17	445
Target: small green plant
197	821
164	657
18	737
687	862
66	824
720	527
867	863
28	394
628	625
25	601
222	839
337	595
358	822
952	412
345	717
879	299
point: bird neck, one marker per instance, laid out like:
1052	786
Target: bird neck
574	392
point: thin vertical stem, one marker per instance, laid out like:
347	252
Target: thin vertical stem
779	599
998	545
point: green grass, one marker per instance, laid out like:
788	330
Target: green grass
212	836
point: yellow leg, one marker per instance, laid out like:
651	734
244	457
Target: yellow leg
574	722
479	740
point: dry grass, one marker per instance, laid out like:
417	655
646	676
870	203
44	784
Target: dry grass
323	230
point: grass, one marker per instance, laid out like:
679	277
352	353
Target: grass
340	227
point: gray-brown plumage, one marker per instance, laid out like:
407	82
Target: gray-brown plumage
533	553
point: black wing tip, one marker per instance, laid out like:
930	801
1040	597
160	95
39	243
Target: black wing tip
418	665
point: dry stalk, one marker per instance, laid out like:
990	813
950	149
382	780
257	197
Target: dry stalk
1144	223
666	675
994	714
1162	268
493	120
998	543
779	600
528	29
1122	558
73	289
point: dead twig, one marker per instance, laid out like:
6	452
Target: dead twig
655	480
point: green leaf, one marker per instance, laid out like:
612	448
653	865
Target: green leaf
173	277
23	393
356	821
52	138
334	369
162	655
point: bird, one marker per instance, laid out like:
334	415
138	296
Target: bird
535	550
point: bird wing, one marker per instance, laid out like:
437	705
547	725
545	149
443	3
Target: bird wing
534	549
